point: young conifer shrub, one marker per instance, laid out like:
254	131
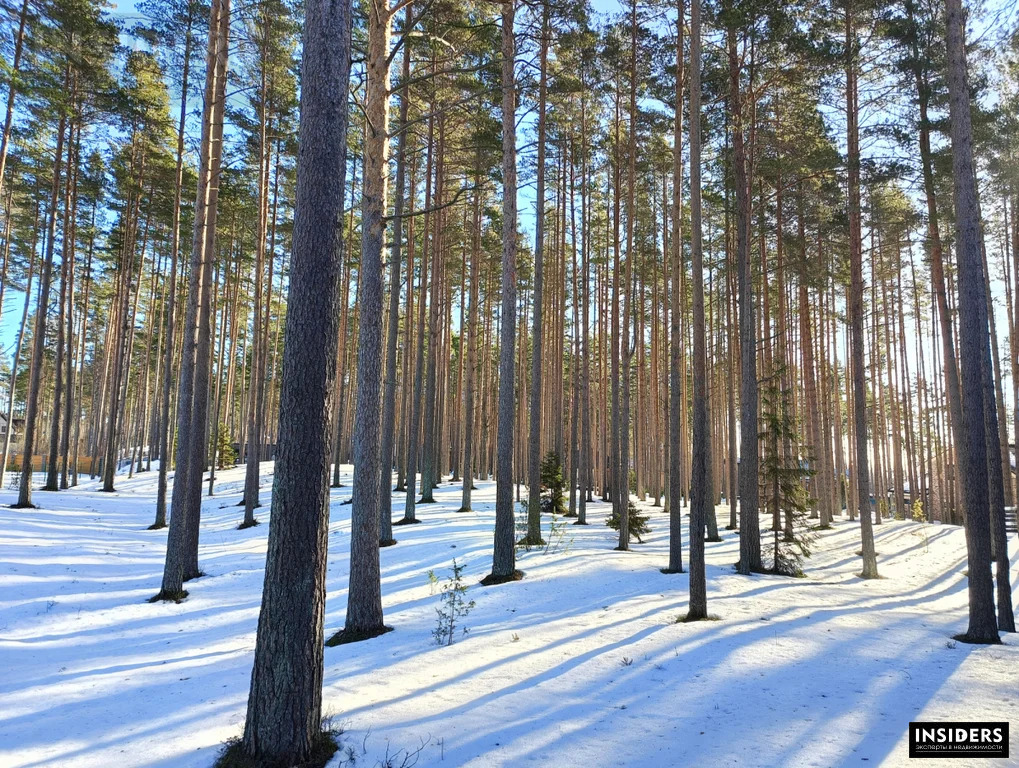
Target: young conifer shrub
453	607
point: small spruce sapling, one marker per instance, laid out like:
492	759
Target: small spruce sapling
553	500
638	523
226	456
453	607
785	475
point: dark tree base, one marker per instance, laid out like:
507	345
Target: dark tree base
407	521
338	485
465	509
621	549
169	597
978	639
822	527
731	528
527	541
101	490
346	501
426	501
492	580
49	488
689	619
715	539
193	576
868	578
788	574
753	571
400	489
387	542
156	527
669	571
581	522
345	636
323	748
244	525
24	506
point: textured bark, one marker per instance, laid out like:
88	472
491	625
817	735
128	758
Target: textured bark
285	701
821	471
167	383
615	484
39	339
66	260
626	352
585	333
750	528
192	402
430	467
923	90
364	596
504	554
977	412
69	397
472	345
389	393
675	484
537	338
256	397
701	496
575	376
413	442
856	301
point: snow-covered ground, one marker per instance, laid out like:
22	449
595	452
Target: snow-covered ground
579	664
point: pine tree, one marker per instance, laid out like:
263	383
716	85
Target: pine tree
283	722
504	551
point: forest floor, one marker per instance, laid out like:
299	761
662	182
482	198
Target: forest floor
580	664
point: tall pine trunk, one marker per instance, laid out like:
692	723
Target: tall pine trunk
192	401
392	332
364	596
39	339
749	523
503	553
701	496
533	537
856	300
285	701
973	335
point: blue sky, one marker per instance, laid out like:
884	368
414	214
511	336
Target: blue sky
1000	14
